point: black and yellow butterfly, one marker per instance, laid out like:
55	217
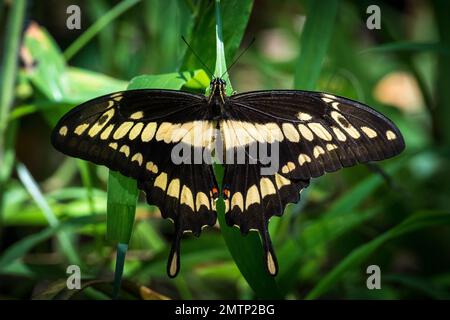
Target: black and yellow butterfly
135	132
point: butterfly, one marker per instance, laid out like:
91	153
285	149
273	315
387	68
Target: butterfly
165	139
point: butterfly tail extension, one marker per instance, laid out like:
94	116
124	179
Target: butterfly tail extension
173	262
270	258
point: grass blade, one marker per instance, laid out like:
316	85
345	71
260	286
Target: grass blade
357	256
314	42
33	190
82	40
8	70
21	247
408	46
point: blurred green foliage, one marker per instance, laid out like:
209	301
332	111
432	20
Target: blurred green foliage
395	215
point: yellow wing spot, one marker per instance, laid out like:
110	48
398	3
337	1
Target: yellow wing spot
149	132
122	130
171	132
345	124
266	186
173	189
327	100
303	116
174	264
181	131
327	95
302	158
318	150
150	166
101	122
136	130
263	131
105	133
161	181
137	157
227	205
254	132
339	134
237	200
320	131
187	198
331	147
369	132
281	181
391	135
305	132
335	105
81	128
137	115
271	264
113	145
125	150
288	167
290	132
117	96
252	196
275	132
162	130
63	131
202	199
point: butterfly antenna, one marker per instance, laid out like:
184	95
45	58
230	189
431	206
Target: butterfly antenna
198	58
235	60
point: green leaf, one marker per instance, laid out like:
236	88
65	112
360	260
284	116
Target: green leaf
236	14
121	207
85	85
314	42
45	66
360	254
197	79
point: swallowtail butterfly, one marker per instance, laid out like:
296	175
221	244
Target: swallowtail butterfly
135	132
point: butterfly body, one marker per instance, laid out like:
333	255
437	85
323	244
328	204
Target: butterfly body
271	144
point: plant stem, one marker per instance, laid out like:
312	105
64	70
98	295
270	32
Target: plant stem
7	81
221	64
120	263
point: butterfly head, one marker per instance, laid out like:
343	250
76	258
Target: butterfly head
217	90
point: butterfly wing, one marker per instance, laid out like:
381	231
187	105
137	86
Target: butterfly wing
135	133
314	133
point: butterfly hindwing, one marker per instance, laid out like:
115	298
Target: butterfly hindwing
251	199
